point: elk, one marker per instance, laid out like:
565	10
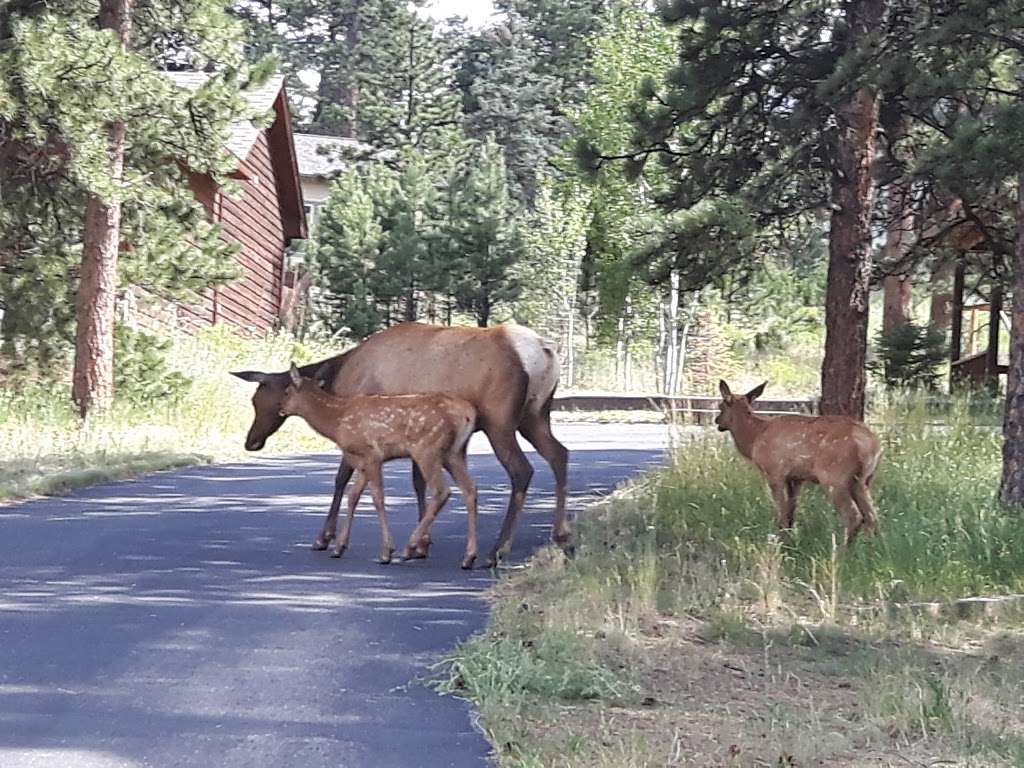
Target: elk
836	452
507	373
432	430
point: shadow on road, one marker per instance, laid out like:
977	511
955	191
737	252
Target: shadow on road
181	619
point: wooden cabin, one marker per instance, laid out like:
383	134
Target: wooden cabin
263	220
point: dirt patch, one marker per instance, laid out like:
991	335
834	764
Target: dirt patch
801	696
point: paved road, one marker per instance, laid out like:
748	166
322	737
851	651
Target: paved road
182	620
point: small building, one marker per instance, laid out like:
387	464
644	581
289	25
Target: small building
263	220
320	159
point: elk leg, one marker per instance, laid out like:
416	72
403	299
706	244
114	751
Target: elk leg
862	498
520	472
354	493
439	493
785	504
376	483
842	500
537	429
331	521
420	486
456	465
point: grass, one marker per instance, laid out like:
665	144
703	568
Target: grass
720	643
46	448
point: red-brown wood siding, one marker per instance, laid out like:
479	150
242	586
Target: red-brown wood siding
254	222
261	220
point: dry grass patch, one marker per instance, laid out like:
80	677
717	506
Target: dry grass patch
721	644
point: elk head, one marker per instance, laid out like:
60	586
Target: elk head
293	392
735	407
267	399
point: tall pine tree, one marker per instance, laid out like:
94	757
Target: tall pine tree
69	82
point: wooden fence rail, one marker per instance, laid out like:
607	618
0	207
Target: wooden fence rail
700	410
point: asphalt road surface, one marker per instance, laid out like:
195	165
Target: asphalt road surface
182	620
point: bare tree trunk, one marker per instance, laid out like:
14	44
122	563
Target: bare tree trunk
1011	488
940	307
620	348
897	290
660	349
627	360
849	264
672	373
93	380
570	345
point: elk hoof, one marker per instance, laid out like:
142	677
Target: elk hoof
493	559
338	551
321	542
385	557
467	562
413	553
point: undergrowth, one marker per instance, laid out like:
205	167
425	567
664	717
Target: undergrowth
693	547
45	447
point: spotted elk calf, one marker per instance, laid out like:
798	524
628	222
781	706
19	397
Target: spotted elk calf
431	429
836	452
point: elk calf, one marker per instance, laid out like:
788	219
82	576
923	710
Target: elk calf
431	429
836	452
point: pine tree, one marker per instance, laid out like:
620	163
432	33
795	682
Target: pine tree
408	95
506	98
482	235
67	83
766	115
345	251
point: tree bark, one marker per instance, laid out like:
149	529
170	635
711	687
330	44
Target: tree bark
849	267
1011	487
957	313
93	380
940	307
897	290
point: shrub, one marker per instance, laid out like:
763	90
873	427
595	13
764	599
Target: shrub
910	355
141	373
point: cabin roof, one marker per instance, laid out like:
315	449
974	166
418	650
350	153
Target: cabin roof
243	133
325	156
242	136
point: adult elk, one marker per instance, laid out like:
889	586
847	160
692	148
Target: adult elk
507	373
432	430
836	452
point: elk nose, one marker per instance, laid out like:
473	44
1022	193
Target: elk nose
254	445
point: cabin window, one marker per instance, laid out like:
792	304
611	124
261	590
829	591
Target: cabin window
312	216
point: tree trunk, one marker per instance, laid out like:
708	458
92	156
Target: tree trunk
672	373
940	308
849	263
896	310
1011	488
957	316
93	380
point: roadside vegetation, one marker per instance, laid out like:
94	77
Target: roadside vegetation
687	632
176	408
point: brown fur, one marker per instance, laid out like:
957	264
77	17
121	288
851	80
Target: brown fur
432	429
836	452
478	365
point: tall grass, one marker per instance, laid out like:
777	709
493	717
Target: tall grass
943	533
45	447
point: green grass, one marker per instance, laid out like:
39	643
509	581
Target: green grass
46	448
682	573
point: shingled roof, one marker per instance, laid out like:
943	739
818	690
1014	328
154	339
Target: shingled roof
243	133
324	156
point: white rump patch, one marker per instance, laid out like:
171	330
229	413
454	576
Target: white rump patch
540	361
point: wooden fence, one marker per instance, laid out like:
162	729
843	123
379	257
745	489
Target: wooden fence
699	410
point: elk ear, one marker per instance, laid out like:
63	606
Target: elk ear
756	392
295	375
724	389
322	375
256	377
